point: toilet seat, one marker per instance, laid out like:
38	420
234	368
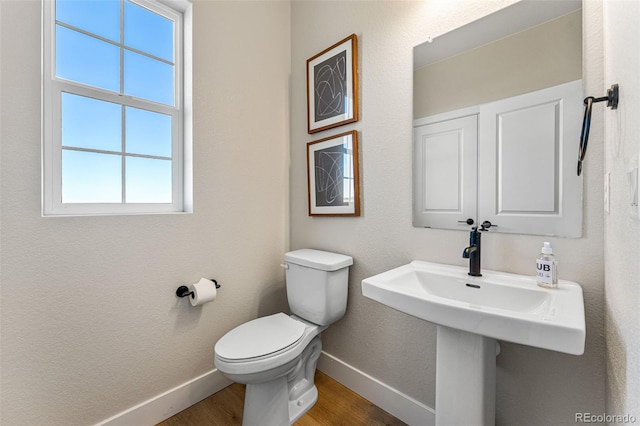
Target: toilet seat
235	344
259	338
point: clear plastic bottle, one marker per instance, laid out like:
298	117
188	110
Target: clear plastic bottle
547	267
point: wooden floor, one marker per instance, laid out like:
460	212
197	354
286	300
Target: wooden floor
336	406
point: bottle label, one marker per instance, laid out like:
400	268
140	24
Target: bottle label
545	271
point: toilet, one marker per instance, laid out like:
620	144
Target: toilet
276	355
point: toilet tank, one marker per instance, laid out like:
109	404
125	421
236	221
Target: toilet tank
317	284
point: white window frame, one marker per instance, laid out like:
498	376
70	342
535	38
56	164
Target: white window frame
180	11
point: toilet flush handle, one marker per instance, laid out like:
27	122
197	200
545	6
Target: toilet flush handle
285	265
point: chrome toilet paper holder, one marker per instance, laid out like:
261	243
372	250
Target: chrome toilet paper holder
183	290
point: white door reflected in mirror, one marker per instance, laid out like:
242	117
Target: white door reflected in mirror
506	64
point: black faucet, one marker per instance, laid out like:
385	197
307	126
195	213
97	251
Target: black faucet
473	251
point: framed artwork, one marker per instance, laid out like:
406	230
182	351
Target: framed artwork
333	177
332	86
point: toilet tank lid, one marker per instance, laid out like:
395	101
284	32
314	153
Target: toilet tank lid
318	259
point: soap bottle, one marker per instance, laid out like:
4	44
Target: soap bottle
547	273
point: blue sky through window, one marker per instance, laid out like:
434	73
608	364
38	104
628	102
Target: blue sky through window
148	132
148	78
92	49
148	32
100	17
87	60
91	123
89	177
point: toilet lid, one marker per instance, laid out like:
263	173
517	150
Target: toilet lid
260	337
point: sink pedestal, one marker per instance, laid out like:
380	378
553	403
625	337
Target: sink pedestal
504	306
465	378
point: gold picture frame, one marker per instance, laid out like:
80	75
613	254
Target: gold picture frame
333	176
332	86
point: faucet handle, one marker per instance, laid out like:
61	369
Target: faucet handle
486	225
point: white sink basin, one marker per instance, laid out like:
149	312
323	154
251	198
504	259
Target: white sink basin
498	305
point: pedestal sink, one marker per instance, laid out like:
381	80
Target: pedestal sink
472	313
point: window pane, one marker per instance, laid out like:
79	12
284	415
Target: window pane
148	180
100	17
148	132
148	78
89	177
87	60
148	32
90	123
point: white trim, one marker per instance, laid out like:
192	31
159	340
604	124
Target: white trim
187	104
384	396
181	122
183	396
169	403
179	5
446	116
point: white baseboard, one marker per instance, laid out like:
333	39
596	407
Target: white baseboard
389	399
171	402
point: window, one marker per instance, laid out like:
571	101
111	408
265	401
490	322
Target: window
114	106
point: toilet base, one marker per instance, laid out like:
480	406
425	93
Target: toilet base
265	406
282	401
303	404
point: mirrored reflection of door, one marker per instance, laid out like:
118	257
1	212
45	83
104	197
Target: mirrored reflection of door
445	157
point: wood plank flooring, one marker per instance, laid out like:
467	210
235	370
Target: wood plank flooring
336	406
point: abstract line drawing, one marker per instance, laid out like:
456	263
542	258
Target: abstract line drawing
329	171
332	86
333	176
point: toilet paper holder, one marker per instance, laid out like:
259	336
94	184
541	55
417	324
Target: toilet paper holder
183	290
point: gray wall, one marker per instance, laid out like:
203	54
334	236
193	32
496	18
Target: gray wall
534	386
543	56
91	325
622	227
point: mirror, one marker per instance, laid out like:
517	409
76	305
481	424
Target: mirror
528	52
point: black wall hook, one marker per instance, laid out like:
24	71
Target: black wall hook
612	102
183	290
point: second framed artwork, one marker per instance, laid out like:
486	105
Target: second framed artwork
332	86
333	176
